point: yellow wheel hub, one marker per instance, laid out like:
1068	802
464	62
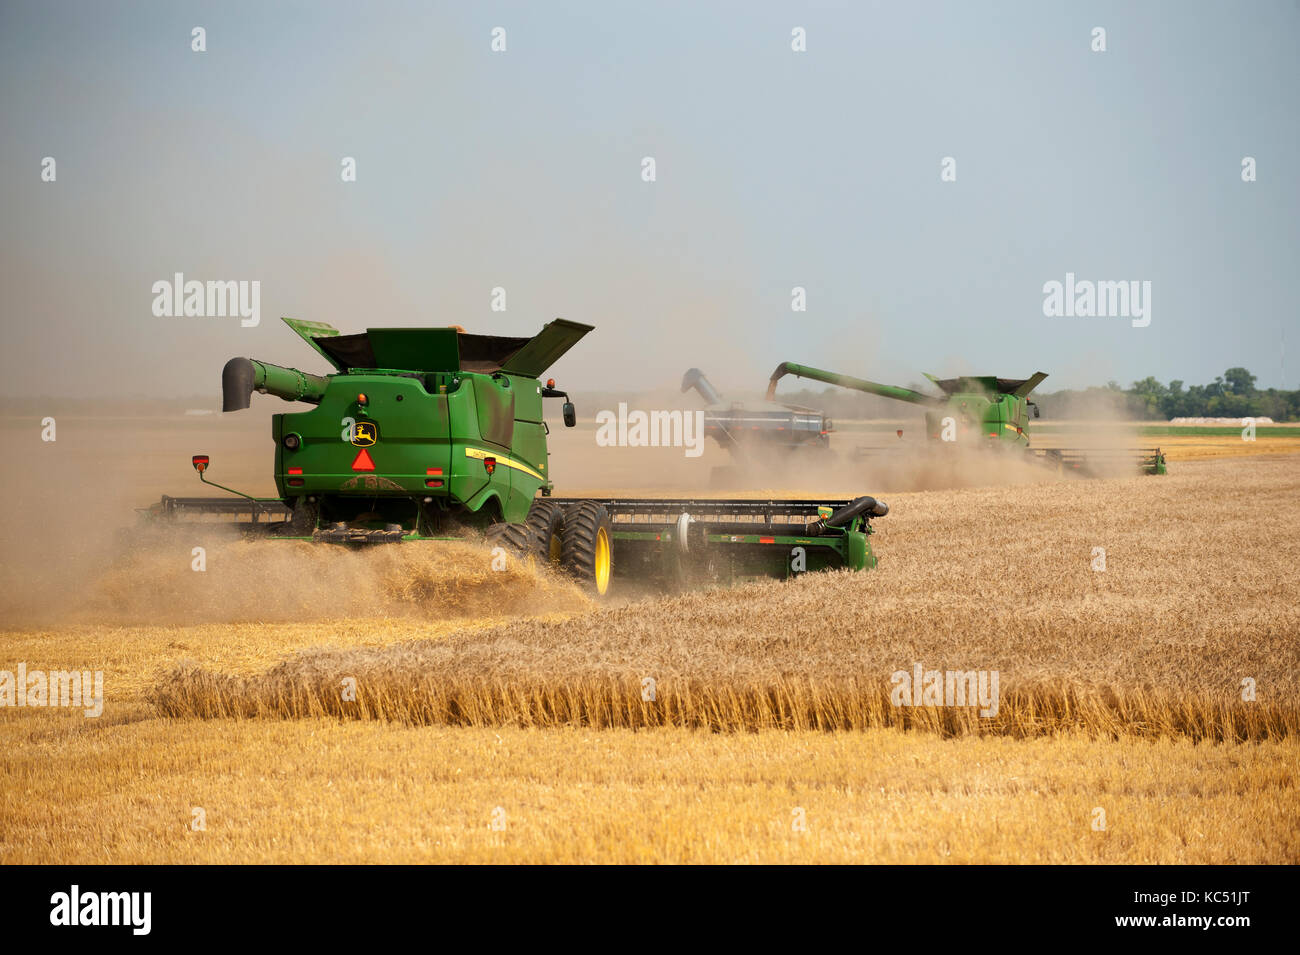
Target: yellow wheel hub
602	561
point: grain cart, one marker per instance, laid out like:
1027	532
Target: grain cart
767	428
420	434
752	435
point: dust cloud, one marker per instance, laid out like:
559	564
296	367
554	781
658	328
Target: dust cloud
73	549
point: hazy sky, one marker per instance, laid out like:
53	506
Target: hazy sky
523	169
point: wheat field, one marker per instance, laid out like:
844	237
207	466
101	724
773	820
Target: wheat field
994	579
503	721
325	791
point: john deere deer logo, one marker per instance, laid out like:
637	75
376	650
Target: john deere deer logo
365	434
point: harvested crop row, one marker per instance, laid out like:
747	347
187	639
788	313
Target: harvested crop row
794	704
1192	612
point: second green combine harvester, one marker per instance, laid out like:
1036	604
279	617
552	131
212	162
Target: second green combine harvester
424	433
980	411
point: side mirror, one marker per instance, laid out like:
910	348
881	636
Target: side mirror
200	462
570	416
1036	414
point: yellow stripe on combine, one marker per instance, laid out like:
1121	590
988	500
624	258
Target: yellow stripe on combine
505	462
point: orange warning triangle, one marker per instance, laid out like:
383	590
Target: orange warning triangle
363	462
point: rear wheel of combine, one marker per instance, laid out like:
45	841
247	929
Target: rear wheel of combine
546	520
517	538
587	544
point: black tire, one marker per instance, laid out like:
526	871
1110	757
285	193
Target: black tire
546	521
587	540
517	538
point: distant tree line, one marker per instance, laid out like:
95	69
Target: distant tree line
1231	395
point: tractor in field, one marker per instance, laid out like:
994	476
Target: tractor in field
980	411
423	434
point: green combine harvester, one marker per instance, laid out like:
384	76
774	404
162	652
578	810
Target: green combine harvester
421	434
981	411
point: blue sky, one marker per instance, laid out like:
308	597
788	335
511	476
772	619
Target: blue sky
775	169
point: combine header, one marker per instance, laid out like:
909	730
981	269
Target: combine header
981	411
424	433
